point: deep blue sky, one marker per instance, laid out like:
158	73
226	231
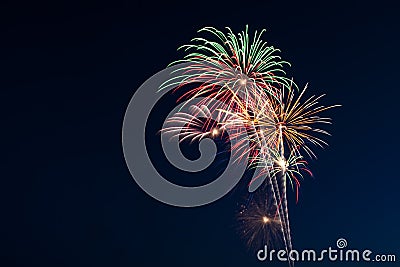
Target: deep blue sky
68	71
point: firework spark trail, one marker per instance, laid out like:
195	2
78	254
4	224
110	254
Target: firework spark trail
261	107
284	210
281	213
278	195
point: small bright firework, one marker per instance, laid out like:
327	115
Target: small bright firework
259	223
193	125
290	169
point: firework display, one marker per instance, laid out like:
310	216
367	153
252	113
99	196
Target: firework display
267	114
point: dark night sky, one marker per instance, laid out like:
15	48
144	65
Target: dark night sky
68	72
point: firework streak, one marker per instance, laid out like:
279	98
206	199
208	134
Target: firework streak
261	107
